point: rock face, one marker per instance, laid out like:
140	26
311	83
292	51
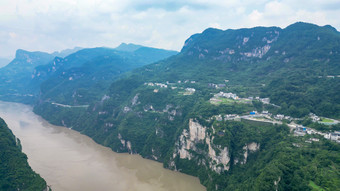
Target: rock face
220	162
217	158
126	144
187	145
248	148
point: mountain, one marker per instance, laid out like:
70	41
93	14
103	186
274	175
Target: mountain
128	47
66	52
84	76
15	172
17	83
22	78
16	76
215	110
4	62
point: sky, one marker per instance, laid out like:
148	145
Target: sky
54	25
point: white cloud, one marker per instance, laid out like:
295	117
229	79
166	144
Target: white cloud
50	25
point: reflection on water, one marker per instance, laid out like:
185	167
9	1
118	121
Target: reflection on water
69	161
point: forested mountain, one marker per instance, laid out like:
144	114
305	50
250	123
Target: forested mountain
92	67
171	111
15	80
84	76
66	52
15	173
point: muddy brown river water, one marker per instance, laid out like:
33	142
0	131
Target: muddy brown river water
70	161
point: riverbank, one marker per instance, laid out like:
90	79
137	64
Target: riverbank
69	160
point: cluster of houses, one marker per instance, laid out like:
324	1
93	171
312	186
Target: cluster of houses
188	91
157	84
233	96
302	131
226	117
265	116
216	86
330	76
227	95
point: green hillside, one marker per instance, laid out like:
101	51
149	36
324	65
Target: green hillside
15	173
85	76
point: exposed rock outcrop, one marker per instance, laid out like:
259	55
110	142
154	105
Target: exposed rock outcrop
248	148
218	157
125	143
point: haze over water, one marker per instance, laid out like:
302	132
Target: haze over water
70	161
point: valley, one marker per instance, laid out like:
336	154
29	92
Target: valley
70	161
241	109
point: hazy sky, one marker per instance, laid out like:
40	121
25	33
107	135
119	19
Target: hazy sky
49	25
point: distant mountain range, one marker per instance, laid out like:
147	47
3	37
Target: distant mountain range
21	78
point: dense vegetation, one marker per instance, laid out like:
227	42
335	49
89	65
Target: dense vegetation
86	75
15	173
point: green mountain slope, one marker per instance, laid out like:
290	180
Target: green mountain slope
16	76
172	111
15	173
84	76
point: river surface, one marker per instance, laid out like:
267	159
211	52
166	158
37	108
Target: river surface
70	161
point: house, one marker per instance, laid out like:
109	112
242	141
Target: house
300	130
161	85
211	85
327	135
279	116
314	139
265	112
334	136
227	95
310	131
265	100
253	112
218	118
299	133
191	90
314	117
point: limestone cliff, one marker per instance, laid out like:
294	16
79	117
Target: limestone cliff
248	148
218	158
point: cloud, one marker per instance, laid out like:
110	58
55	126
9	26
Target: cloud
49	25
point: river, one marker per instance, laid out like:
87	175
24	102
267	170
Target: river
70	161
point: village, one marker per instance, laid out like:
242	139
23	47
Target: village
264	116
